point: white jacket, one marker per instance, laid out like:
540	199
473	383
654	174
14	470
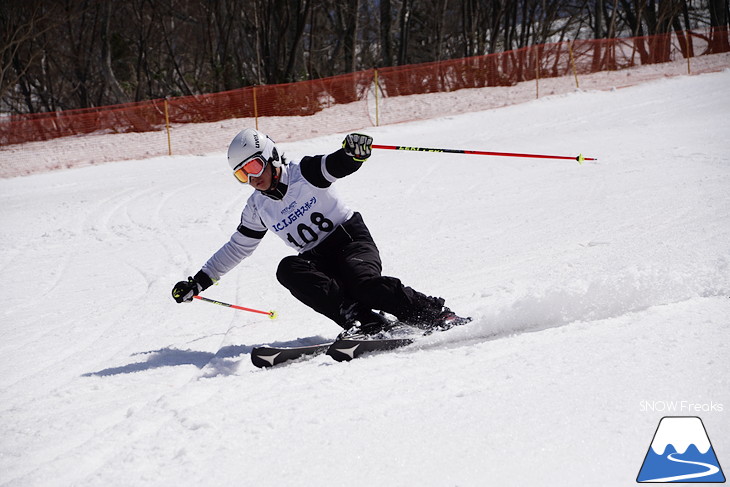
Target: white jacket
306	214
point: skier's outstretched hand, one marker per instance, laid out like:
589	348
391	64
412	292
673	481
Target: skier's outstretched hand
184	291
358	146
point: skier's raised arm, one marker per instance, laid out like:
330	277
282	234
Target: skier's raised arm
321	171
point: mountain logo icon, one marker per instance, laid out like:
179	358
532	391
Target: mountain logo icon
681	452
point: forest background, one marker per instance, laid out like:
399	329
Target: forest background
66	54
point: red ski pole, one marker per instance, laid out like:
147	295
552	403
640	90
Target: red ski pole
271	314
580	158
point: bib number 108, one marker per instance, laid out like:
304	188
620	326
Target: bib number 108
305	232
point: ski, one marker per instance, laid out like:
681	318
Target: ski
350	347
399	335
340	350
346	349
270	356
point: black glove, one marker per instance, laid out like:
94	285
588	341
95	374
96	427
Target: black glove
184	291
358	146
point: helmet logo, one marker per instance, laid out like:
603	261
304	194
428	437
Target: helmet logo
256	140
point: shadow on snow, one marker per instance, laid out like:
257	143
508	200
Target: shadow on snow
219	362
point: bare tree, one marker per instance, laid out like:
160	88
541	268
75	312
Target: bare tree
719	21
23	28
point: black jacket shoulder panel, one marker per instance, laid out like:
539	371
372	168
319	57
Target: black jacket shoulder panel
339	164
311	167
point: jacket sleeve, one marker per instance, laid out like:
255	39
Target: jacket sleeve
322	171
241	245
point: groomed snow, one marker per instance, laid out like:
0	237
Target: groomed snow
595	289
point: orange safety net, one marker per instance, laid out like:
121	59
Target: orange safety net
290	99
370	97
545	61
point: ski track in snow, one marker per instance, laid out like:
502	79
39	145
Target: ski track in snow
592	288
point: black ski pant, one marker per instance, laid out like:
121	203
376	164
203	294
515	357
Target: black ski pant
345	269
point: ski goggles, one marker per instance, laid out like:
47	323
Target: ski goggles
254	166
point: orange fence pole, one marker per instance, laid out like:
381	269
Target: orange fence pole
377	114
572	63
167	125
688	36
537	72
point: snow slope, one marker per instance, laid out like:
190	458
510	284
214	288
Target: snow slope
595	289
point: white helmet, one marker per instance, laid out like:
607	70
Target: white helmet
249	143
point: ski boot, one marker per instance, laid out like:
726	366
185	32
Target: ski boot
363	322
434	316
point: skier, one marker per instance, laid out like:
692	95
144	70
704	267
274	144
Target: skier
337	271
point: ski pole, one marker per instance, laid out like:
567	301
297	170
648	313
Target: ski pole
580	158
271	314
